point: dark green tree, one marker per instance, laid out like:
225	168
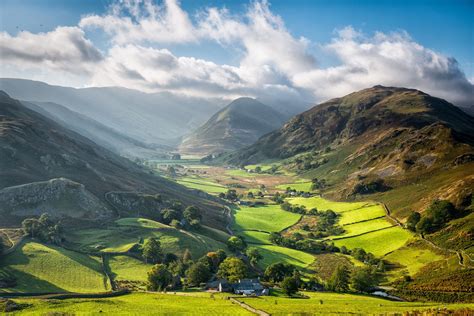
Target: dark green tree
339	281
276	272
193	216
236	243
198	273
289	286
152	251
254	255
159	278
363	279
412	220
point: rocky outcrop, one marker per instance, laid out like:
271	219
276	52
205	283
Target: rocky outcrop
59	197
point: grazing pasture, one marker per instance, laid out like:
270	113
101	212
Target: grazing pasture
41	269
321	303
267	218
323	205
126	268
201	184
366	226
273	253
378	242
302	185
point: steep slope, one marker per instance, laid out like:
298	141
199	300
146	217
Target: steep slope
237	125
153	118
33	149
376	139
99	133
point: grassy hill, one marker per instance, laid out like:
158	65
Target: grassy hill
237	125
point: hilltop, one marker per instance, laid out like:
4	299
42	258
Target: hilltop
237	125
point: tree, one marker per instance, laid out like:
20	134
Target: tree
254	255
425	225
198	273
363	279
168	215
276	272
159	278
412	220
289	285
232	269
231	194
192	214
236	243
221	254
339	281
152	250
258	169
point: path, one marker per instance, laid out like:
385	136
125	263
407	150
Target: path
248	307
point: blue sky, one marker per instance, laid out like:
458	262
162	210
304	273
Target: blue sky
446	26
436	38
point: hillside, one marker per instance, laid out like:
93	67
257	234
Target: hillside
151	118
99	133
237	125
380	142
35	149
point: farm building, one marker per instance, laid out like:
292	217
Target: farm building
244	287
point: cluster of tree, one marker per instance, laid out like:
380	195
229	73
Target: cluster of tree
176	217
368	187
435	217
297	241
365	257
362	279
44	229
318	184
238	245
230	195
288	278
293	208
310	161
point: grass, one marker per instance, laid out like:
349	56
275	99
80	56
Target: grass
364	227
41	268
323	204
378	242
254	237
137	304
301	185
320	303
411	260
272	254
129	231
263	167
126	268
203	185
241	173
364	213
268	218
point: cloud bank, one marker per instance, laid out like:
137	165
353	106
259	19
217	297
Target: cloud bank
272	62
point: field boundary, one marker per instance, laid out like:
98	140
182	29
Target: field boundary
361	234
248	307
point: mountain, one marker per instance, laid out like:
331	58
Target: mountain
46	167
380	143
237	125
150	118
99	133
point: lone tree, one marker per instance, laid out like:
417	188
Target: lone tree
236	243
254	255
232	269
159	278
276	272
193	216
289	285
197	274
412	220
339	281
363	279
152	251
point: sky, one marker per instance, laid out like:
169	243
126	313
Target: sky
303	49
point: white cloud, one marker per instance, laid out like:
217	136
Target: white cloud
386	59
64	48
138	21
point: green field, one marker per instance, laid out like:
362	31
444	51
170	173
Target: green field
255	237
378	242
362	214
126	268
263	167
320	303
129	231
268	218
272	254
201	184
323	204
137	304
411	259
302	185
243	173
364	227
40	268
